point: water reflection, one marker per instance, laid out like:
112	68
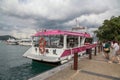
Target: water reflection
40	66
25	71
13	66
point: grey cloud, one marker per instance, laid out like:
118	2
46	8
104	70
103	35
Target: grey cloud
5	27
52	16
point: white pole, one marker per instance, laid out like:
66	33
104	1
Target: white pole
65	42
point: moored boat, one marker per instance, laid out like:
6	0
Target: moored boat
56	45
12	41
25	42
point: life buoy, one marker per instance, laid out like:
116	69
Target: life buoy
42	44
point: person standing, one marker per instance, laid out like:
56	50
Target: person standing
107	50
115	48
103	46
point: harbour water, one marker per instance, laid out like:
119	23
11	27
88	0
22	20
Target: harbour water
13	66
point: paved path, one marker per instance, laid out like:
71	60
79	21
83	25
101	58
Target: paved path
95	69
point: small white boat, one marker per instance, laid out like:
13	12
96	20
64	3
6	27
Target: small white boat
25	42
56	45
12	41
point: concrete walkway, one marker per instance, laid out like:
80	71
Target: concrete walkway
95	69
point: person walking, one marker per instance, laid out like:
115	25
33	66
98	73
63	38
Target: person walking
103	46
107	50
115	48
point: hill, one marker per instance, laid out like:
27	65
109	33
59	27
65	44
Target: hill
6	37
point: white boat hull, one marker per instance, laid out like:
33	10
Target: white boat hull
32	54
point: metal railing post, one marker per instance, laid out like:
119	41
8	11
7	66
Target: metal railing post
95	51
75	61
90	53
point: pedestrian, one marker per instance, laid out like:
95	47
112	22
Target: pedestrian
107	49
118	53
103	46
115	48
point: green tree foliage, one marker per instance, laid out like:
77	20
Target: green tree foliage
110	30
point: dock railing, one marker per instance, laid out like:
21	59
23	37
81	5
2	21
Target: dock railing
88	49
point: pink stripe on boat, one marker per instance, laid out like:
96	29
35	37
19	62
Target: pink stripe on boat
76	50
59	32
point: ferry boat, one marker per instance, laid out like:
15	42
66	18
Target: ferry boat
56	45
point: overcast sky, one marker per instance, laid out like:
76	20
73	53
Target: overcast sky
22	18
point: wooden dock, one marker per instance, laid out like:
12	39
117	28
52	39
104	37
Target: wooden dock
96	68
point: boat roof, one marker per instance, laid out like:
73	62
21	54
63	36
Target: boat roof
60	32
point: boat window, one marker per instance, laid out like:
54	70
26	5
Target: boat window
36	41
88	41
72	41
53	41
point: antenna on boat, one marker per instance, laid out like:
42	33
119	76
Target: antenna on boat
78	27
77	23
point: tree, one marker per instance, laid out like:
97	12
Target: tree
110	30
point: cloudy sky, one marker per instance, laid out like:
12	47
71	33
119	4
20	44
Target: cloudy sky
22	18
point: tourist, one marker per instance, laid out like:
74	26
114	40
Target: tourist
107	50
103	46
118	53
115	48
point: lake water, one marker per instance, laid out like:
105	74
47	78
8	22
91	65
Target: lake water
13	66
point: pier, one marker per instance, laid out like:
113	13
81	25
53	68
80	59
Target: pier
96	68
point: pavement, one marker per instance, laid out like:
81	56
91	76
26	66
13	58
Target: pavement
95	69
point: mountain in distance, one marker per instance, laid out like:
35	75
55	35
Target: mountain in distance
6	37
